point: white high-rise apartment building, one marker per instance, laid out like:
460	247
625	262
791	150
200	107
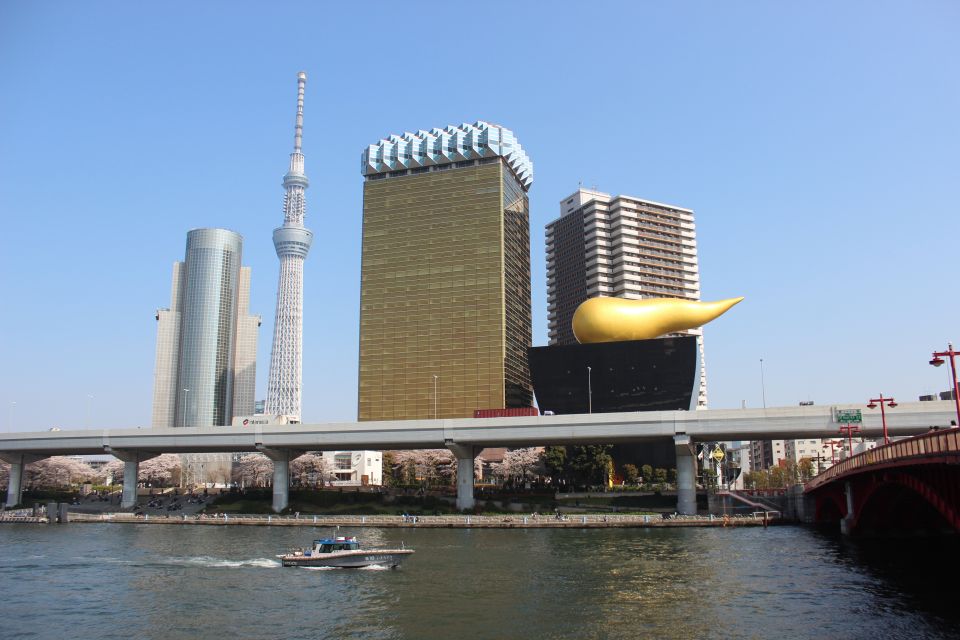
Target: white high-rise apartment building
818	451
621	247
766	453
292	242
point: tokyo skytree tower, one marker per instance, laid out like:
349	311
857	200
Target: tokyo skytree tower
292	242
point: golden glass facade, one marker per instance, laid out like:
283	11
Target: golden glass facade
445	292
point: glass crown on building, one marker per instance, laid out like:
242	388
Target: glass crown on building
447	146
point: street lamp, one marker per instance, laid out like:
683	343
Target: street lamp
833	452
435	396
589	390
763	386
850	428
938	360
883	414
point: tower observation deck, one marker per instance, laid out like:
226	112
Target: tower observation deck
292	242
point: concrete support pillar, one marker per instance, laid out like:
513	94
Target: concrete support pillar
17	462
846	524
281	474
465	455
686	476
131	470
15	483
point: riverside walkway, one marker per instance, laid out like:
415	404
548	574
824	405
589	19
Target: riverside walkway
594	521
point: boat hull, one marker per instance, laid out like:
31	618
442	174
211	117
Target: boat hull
348	559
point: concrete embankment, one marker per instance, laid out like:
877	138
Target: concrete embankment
445	521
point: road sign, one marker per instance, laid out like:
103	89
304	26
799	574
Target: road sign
849	415
717	454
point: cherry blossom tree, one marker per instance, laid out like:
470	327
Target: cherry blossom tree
56	472
425	466
253	470
520	464
163	470
111	473
310	469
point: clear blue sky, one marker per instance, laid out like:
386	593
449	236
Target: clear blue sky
817	143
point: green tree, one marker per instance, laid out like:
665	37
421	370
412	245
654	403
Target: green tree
389	477
659	475
590	464
555	462
647	472
673	475
778	477
631	473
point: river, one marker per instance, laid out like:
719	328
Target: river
164	582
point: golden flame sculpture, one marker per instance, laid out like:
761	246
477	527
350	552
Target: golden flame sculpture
619	319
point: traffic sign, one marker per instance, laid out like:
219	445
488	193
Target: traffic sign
717	454
849	415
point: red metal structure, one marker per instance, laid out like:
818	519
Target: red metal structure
938	360
910	485
883	414
506	413
850	428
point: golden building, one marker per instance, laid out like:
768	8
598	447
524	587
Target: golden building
445	281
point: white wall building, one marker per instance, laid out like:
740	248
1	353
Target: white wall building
816	450
766	453
355	468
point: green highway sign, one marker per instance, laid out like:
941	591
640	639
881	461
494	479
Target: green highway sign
849	415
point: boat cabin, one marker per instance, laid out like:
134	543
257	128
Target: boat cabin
340	543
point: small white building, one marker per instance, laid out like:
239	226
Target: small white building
817	450
355	468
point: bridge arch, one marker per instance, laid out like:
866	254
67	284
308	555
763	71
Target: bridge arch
889	503
831	507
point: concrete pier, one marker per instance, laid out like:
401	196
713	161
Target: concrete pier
846	523
131	470
686	476
17	462
281	474
465	455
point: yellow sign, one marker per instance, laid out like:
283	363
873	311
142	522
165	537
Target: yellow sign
717	454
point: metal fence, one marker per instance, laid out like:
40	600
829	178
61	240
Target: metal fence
490	521
922	446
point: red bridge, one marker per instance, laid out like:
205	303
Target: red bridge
910	486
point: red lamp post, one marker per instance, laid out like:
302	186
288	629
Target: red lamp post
883	414
833	452
938	360
850	428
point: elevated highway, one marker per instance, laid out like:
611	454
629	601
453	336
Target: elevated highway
465	437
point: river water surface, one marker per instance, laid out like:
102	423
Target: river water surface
224	582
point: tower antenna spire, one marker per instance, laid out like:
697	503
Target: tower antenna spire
298	132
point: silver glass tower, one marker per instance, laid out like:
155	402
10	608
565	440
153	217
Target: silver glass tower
292	242
206	341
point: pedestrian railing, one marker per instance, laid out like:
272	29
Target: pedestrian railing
922	446
529	520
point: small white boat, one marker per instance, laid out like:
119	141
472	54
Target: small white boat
343	552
